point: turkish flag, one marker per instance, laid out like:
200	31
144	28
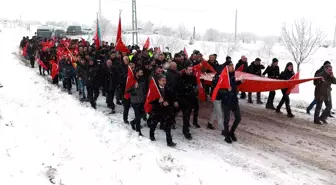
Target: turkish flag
201	92
54	69
130	82
185	52
294	89
147	44
41	64
241	68
223	83
153	94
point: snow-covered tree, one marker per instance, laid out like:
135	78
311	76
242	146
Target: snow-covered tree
301	40
183	32
211	35
106	27
166	31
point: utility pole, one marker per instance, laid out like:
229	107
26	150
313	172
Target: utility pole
134	23
334	43
236	26
100	12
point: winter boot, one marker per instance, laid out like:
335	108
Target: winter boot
271	107
233	136
151	135
260	102
133	124
324	121
318	122
196	124
227	137
126	122
187	136
210	126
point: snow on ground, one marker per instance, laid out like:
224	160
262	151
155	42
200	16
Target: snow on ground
42	126
42	129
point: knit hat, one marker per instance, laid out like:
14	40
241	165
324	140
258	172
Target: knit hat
275	60
326	63
228	58
257	60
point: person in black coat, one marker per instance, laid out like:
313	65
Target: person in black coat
173	79
242	61
255	68
31	51
138	96
229	102
110	83
286	75
272	72
163	111
81	72
313	103
92	84
67	71
187	98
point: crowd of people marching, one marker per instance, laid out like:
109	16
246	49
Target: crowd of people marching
105	69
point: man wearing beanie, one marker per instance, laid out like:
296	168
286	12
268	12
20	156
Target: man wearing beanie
273	72
313	103
323	94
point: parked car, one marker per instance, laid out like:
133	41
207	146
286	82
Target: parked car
74	30
60	34
87	31
45	32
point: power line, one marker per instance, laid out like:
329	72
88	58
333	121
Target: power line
160	7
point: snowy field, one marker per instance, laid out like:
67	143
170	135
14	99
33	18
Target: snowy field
43	128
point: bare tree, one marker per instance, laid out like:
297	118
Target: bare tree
211	35
183	32
301	41
175	45
267	48
230	45
166	31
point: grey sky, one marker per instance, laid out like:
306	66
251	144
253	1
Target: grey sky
263	17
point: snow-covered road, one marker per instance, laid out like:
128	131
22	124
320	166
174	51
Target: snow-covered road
41	126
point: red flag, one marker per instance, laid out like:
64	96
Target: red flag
121	47
147	44
294	89
119	30
42	64
24	50
207	66
223	83
54	69
201	92
185	52
241	68
130	82
153	94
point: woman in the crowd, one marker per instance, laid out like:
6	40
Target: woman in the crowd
286	75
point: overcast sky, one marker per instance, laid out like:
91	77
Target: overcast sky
263	17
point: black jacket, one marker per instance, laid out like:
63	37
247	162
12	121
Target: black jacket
159	109
187	91
286	75
110	78
138	95
240	63
272	72
92	76
173	79
229	98
255	69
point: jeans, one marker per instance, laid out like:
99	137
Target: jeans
311	105
81	85
285	100
217	114
127	105
137	107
